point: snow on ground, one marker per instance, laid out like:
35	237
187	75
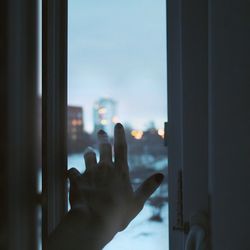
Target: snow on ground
143	234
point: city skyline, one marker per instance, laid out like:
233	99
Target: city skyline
103	117
118	50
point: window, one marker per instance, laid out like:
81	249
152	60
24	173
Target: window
202	147
117	73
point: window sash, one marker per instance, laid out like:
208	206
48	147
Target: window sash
54	115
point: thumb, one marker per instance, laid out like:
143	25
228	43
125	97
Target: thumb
146	189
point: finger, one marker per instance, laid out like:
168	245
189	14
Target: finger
147	188
90	158
104	147
120	147
73	174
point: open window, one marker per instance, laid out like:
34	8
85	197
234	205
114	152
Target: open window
187	105
117	73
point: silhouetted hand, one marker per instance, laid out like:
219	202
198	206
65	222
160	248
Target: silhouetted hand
103	194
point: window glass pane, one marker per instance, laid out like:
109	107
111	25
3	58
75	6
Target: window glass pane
117	73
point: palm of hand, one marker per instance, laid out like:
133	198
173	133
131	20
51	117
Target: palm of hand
104	190
105	193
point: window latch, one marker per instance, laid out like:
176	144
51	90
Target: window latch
180	224
165	134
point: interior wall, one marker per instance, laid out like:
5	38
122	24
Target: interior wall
229	124
19	119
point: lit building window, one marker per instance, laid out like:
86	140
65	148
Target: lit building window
74	122
73	130
102	111
161	132
104	122
137	134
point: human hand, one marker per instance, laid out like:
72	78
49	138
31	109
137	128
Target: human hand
103	193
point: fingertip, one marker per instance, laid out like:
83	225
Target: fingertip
120	146
118	125
148	187
72	170
89	150
101	132
89	158
158	178
103	137
119	131
73	173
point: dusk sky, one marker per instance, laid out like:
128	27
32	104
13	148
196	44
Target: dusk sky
117	49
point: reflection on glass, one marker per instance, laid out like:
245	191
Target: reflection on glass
117	73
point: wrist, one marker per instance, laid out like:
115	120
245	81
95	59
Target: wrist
86	230
80	230
91	227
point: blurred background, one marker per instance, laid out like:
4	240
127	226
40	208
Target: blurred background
117	73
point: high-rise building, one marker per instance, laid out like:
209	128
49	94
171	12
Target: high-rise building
105	115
